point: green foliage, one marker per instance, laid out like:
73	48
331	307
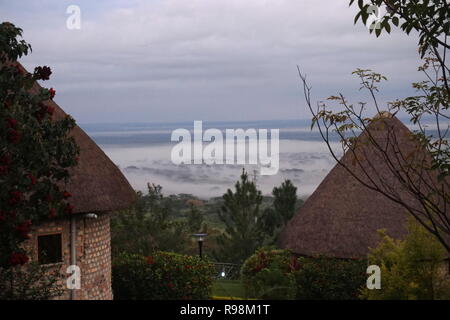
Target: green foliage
30	282
433	98
285	201
251	220
285	204
270	274
36	153
323	278
242	218
431	19
148	226
413	268
195	219
161	276
158	222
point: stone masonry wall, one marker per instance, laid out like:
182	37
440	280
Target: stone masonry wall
93	254
95	259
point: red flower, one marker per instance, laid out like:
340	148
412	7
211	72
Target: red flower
32	179
12	123
18	258
52	213
258	268
52	93
69	208
150	260
170	285
50	110
43	110
15	197
42	73
48	198
66	195
14	136
19	70
2	216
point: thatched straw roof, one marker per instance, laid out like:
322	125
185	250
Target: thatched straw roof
97	184
341	218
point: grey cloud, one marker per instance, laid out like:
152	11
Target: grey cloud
207	59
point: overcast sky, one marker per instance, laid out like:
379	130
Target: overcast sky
180	60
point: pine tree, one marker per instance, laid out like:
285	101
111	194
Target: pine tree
194	219
242	217
283	209
285	201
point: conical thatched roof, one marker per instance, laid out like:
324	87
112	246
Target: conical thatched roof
96	184
341	218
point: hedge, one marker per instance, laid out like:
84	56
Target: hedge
162	276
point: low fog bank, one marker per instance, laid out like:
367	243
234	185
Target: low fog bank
305	163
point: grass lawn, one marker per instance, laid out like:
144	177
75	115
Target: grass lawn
228	288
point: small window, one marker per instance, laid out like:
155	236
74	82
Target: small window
49	249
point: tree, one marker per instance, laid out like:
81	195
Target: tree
285	201
195	219
424	173
36	153
284	206
410	269
242	218
431	19
148	226
131	230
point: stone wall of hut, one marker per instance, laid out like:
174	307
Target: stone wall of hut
93	251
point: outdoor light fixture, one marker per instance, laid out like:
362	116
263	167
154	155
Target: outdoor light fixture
200	238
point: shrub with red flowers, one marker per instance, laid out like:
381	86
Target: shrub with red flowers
36	150
270	274
162	276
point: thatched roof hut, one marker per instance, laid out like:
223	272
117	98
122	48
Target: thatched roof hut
83	240
341	218
96	184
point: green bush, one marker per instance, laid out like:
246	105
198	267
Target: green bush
270	274
323	278
411	269
162	276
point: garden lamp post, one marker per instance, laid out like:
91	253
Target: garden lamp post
200	238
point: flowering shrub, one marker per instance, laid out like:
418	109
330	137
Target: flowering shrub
162	276
36	150
270	274
30	282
